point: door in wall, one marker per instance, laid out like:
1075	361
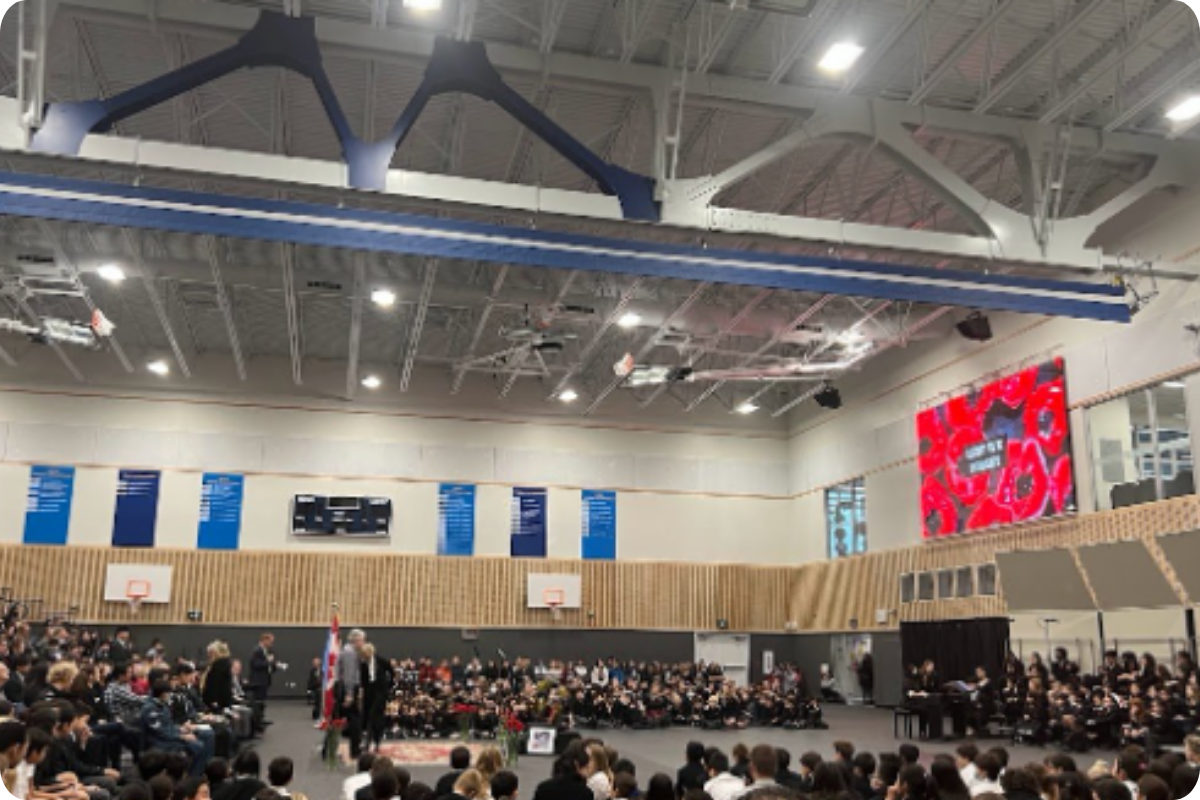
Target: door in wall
730	650
847	651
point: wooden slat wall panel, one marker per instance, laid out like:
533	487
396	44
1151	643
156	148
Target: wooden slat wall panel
296	588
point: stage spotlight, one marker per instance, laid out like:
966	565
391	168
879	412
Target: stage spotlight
828	397
976	327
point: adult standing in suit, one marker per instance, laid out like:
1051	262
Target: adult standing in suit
347	688
120	649
262	667
375	676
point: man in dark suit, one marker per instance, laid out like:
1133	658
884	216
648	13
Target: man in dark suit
375	678
460	761
262	667
120	649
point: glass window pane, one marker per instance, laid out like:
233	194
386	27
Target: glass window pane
986	579
1172	460
925	586
908	587
846	518
965	582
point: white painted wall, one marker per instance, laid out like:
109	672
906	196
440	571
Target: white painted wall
694	497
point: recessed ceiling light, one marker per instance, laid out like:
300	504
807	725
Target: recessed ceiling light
631	319
423	5
568	395
1174	384
840	57
160	367
111	273
372	382
384	298
746	408
1185	111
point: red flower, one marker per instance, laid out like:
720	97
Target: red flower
463	708
931	441
970	409
938	513
1016	388
513	724
338	724
1062	484
1046	416
1025	485
988	514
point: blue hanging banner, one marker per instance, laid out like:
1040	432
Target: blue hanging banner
48	504
599	540
220	511
456	519
137	508
529	523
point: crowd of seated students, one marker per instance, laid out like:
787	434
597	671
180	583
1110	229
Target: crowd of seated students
428	700
1131	700
88	718
589	769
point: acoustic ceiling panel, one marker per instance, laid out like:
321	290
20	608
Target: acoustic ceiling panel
1043	580
1183	553
1124	575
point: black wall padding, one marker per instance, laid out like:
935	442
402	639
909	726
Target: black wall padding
1183	554
1124	575
957	646
1043	580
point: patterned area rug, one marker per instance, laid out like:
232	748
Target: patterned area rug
418	753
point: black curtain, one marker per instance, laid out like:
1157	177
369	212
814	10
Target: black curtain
957	646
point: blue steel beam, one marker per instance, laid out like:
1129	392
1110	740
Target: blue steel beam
291	43
51	197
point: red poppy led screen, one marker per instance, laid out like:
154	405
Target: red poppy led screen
997	455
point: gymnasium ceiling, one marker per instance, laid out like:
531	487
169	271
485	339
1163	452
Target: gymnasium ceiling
251	317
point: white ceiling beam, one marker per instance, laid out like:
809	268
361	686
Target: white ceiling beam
484	316
650	343
356	317
523	352
414	47
1025	63
711	347
960	51
36	318
1169	15
1145	99
634	22
225	305
585	355
808	313
418	323
150	281
287	261
552	17
711	44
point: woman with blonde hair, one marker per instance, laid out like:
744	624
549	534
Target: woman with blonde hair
59	679
217	686
599	773
472	786
489	763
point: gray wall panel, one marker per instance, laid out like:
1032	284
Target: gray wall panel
1124	575
1042	580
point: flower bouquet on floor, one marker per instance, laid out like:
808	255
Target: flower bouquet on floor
330	749
465	714
511	732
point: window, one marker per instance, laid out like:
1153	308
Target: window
1141	447
846	518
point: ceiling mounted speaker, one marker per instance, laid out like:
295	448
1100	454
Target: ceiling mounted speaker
828	397
976	327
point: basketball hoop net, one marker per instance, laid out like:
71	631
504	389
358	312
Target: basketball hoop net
554	599
136	592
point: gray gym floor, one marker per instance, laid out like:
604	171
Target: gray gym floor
652	751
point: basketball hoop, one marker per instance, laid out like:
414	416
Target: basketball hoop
554	599
136	592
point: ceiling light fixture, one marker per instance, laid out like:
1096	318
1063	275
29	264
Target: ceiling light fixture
423	5
568	395
111	273
630	319
372	382
1174	385
746	408
840	57
384	298
160	368
1185	111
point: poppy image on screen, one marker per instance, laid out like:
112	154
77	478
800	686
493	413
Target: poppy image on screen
997	455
